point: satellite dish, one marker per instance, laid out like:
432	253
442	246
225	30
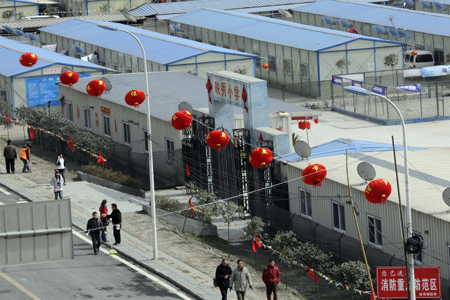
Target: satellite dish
409	2
302	149
32	37
108	84
439	6
328	20
425	4
8	29
65	69
18	32
345	23
285	13
446	196
185	106
366	171
129	17
379	29
403	34
176	28
78	49
393	32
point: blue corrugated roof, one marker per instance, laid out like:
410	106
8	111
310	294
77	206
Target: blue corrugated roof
412	20
271	30
340	146
188	6
10	52
160	48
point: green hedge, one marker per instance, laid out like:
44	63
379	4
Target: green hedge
112	176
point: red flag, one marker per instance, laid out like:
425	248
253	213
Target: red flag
312	274
71	144
187	168
261	137
257	242
191	206
31	132
8	118
100	159
253	245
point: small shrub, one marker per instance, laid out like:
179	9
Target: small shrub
112	176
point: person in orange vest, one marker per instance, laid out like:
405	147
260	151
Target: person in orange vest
24	156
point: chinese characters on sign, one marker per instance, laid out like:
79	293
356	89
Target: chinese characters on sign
106	110
392	284
227	90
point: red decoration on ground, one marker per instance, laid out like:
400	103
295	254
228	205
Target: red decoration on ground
217	139
135	98
377	191
314	174
265	67
261	157
96	87
69	78
101	160
181	120
28	59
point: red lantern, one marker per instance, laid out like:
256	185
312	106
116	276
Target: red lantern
265	67
96	87
302	125
261	157
377	191
353	30
217	139
314	174
181	120
316	120
69	78
414	53
308	125
135	98
28	59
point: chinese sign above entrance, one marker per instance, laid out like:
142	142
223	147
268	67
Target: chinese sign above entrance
392	284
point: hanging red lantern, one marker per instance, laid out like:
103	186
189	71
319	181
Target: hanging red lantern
414	53
316	120
302	125
265	67
28	59
69	78
96	87
314	174
181	120
217	139
135	98
377	191
308	125
353	30
261	157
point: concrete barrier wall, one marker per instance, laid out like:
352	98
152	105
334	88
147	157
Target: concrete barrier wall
111	185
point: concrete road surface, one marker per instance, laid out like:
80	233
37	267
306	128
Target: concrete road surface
9	197
88	276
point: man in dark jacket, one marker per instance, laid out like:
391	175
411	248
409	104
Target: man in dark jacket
95	227
10	155
223	274
271	277
116	218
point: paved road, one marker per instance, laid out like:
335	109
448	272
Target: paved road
88	276
9	197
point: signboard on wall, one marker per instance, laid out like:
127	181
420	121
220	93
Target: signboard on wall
42	90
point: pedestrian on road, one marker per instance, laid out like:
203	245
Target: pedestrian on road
10	155
223	274
61	166
271	278
103	217
116	218
239	279
94	227
24	156
57	182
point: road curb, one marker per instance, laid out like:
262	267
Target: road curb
14	191
154	271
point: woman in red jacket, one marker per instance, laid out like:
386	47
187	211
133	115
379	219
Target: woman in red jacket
271	277
103	213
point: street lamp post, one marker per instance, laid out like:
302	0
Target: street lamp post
364	92
150	147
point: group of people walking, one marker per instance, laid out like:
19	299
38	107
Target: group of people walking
10	154
239	279
97	227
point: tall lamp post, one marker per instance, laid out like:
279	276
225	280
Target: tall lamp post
150	147
364	92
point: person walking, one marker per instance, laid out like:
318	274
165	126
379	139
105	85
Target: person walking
24	156
61	166
116	218
95	227
103	217
239	279
271	278
57	182
223	274
10	155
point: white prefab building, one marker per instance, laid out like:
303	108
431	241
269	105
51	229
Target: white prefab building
120	51
300	58
14	10
418	29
